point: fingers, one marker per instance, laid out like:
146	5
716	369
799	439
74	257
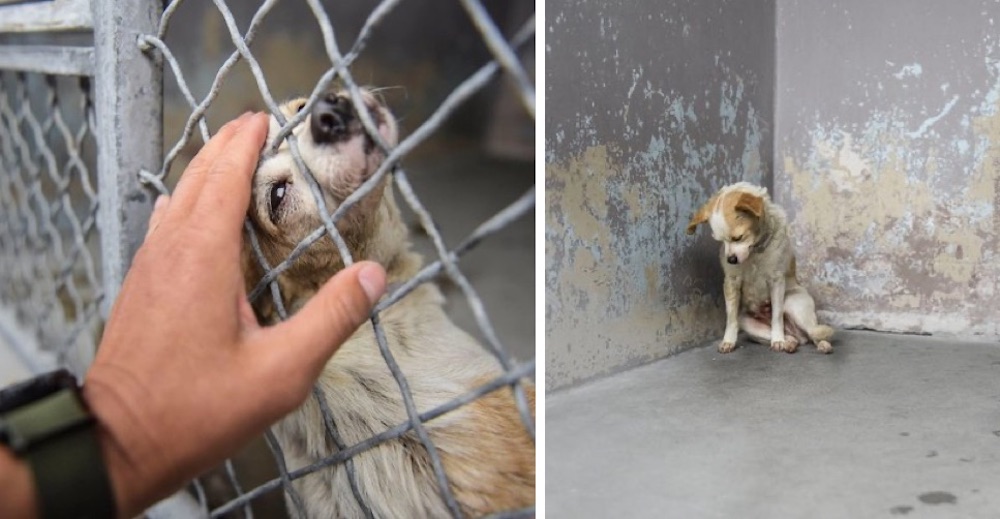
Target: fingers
189	186
226	190
159	208
302	345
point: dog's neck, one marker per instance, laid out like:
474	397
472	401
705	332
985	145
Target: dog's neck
389	242
769	225
773	231
763	241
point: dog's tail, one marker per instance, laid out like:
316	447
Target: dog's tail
820	332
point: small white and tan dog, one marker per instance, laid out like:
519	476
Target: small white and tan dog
759	268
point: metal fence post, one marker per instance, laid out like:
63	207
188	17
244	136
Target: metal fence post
128	99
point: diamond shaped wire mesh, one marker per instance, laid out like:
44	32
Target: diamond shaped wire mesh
446	263
50	262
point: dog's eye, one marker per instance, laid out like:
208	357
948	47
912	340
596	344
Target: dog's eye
299	106
738	238
278	190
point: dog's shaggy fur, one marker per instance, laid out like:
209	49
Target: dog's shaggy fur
759	269
486	452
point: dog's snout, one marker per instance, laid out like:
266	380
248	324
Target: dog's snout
732	259
330	118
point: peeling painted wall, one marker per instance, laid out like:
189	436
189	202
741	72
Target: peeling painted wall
650	107
887	151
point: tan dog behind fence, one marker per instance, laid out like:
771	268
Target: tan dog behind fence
488	455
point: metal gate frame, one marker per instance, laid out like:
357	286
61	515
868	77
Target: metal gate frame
128	99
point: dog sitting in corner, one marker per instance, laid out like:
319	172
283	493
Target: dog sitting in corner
759	269
487	454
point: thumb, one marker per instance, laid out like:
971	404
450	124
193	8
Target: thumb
159	208
307	340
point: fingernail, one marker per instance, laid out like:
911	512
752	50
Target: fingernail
160	202
372	279
239	121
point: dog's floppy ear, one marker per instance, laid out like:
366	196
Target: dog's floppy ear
750	204
701	216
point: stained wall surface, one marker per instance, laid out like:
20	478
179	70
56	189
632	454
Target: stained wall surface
887	152
650	106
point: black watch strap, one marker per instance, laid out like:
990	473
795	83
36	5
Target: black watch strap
56	435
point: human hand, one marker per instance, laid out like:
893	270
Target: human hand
184	376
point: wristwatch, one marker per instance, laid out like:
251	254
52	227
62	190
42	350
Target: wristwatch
45	421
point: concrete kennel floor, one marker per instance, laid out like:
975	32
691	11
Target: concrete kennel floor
886	426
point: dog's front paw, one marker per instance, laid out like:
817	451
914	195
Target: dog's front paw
824	347
726	346
787	346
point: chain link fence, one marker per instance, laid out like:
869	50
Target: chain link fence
74	200
69	222
49	241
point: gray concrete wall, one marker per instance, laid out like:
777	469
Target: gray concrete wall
650	106
887	147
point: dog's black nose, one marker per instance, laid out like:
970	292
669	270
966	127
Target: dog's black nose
732	260
330	118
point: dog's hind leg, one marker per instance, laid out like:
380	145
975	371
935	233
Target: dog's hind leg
760	331
801	310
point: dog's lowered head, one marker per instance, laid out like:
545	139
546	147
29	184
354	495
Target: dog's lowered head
735	214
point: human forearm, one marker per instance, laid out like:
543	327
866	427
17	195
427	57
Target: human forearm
17	489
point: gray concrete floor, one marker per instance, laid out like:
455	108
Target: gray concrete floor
12	369
886	426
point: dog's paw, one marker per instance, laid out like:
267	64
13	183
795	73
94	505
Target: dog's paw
726	347
791	344
787	346
824	347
